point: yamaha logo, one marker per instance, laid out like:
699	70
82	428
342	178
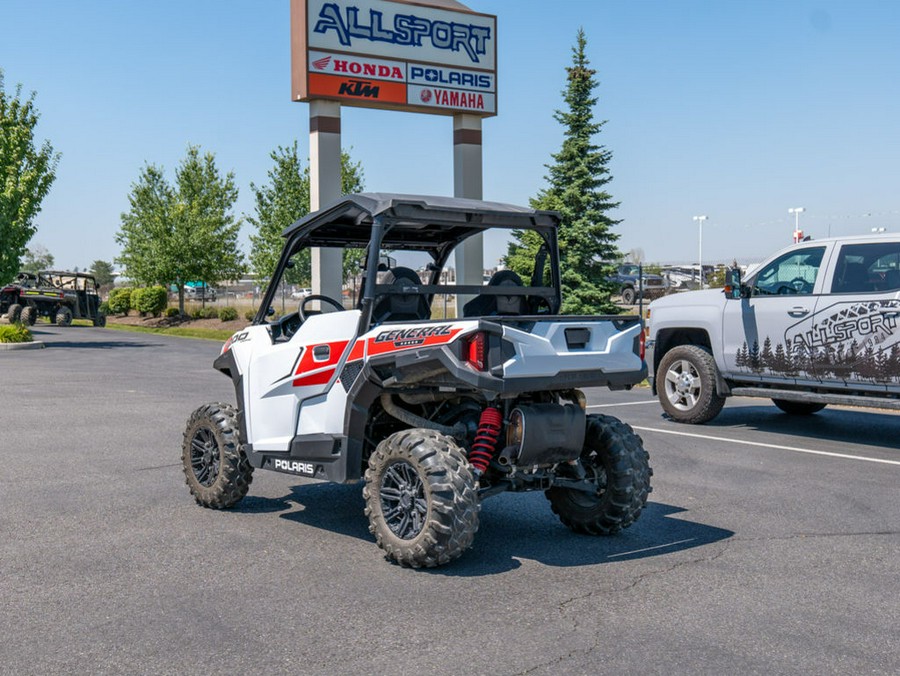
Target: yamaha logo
425	95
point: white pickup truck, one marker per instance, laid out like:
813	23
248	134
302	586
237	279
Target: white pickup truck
815	324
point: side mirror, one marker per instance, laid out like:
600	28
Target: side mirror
290	264
733	283
270	312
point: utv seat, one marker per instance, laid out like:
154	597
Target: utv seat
401	307
486	305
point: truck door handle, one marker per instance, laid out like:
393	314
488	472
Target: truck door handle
798	311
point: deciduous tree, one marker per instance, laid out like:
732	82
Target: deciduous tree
174	234
26	174
285	199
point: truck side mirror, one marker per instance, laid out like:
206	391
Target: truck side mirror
733	283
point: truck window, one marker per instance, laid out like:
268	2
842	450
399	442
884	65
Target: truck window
793	273
867	268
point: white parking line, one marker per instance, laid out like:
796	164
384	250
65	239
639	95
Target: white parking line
793	449
625	403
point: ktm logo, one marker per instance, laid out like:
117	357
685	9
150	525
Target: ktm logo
322	64
359	88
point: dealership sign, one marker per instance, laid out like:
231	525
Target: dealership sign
393	54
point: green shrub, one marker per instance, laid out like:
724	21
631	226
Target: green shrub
15	333
120	300
228	314
104	307
250	315
209	313
151	300
196	313
172	312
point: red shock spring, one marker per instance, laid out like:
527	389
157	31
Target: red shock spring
486	439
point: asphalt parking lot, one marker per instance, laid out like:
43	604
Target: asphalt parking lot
769	545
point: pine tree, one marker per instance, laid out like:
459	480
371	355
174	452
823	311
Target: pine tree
765	358
576	189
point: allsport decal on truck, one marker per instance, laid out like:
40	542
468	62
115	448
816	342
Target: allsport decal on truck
850	339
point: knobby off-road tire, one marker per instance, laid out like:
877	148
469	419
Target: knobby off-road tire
628	296
13	313
615	460
421	498
64	317
798	407
686	385
216	468
100	320
28	315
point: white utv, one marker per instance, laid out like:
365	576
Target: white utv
433	414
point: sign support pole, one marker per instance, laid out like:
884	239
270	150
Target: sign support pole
467	182
325	187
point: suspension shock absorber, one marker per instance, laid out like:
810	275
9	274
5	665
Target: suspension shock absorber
485	444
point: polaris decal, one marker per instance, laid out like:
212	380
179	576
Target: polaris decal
294	467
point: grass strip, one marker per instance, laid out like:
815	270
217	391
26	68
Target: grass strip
182	332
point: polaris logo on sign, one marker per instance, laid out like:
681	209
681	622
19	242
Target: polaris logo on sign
450	77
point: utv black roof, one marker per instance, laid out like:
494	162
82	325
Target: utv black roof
412	221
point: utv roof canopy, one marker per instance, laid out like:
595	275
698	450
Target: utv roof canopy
419	222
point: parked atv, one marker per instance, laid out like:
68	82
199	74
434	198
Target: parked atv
434	415
58	296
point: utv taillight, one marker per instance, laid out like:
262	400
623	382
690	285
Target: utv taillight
476	351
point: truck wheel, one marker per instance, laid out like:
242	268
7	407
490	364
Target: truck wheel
215	466
798	407
13	313
28	315
686	384
64	317
615	460
628	295
421	498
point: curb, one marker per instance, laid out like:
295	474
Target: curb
33	345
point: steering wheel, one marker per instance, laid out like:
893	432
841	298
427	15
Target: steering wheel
308	299
801	285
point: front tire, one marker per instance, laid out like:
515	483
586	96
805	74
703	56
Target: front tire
215	466
421	498
628	296
686	385
64	317
615	460
798	407
28	315
13	313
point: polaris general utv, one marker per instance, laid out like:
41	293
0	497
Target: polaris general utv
434	414
58	296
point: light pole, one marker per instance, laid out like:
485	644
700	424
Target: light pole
797	211
700	220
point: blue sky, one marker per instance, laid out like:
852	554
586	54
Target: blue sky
733	109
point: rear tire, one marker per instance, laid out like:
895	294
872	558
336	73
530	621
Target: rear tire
798	407
686	385
100	320
13	313
615	460
421	498
215	466
64	317
28	315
